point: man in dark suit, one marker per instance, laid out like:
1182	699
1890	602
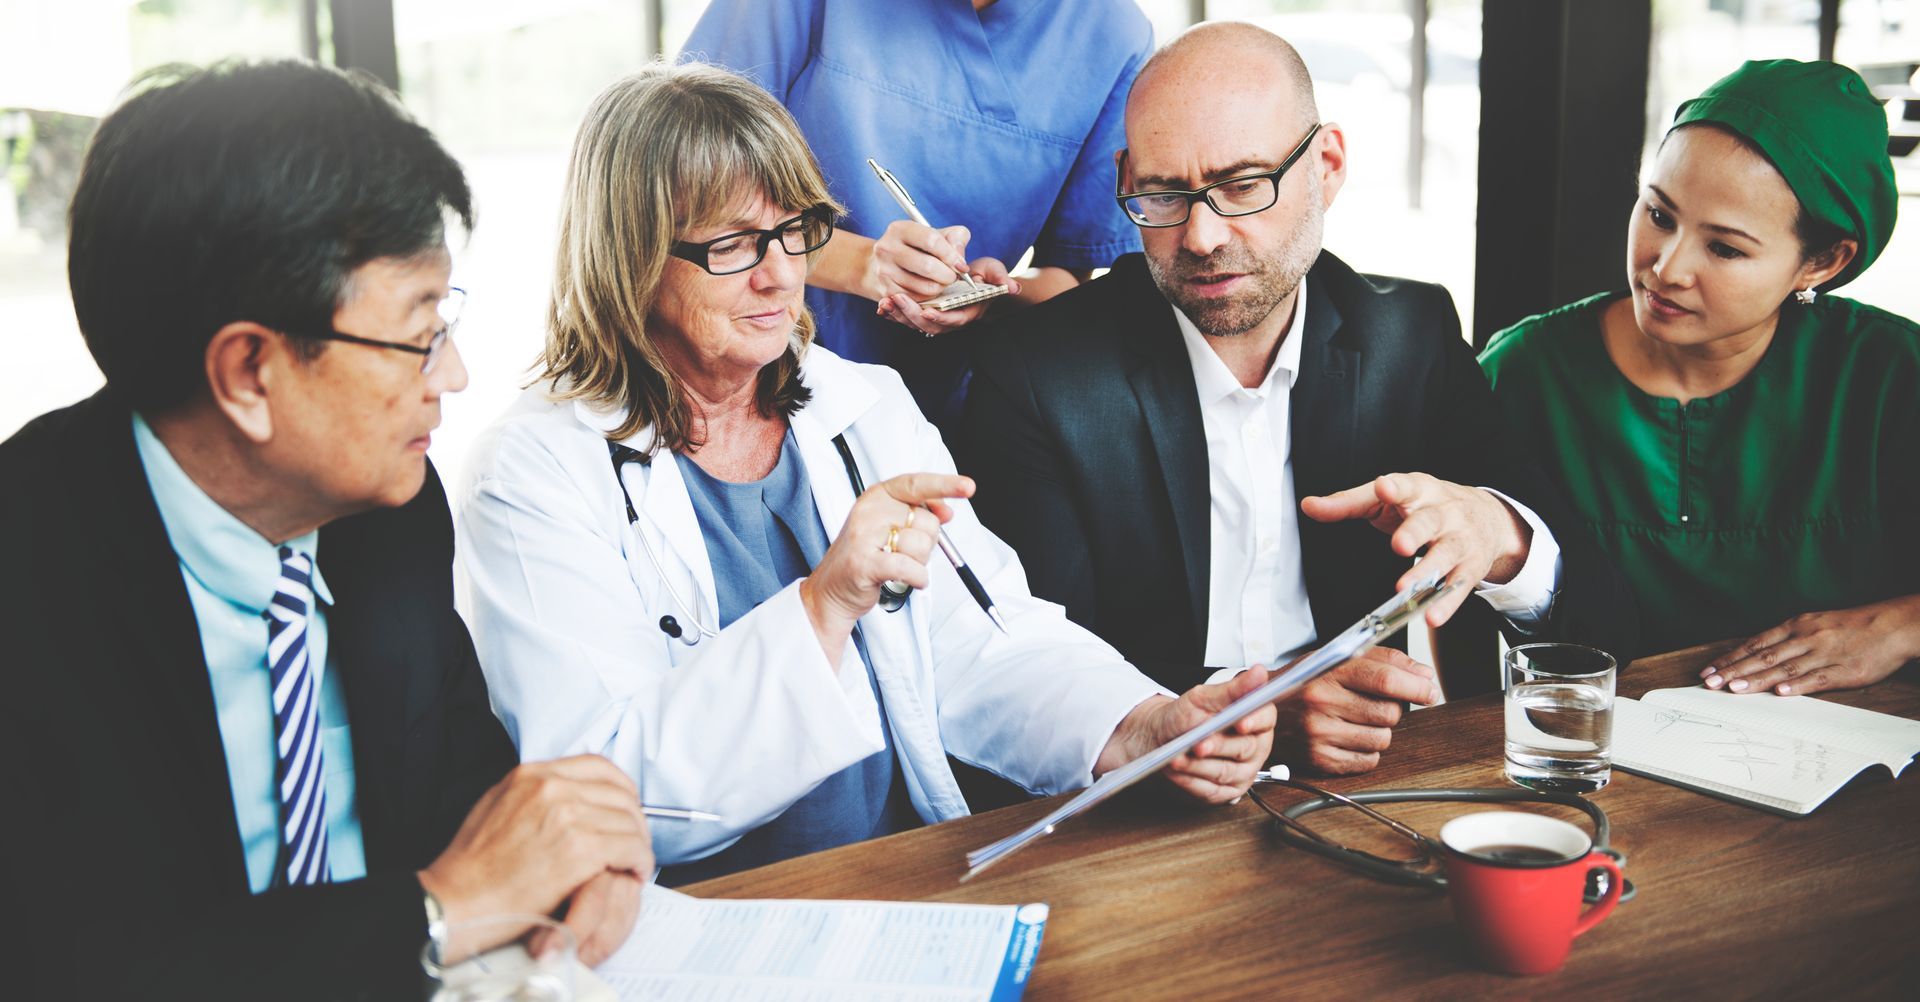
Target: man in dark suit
1150	442
246	747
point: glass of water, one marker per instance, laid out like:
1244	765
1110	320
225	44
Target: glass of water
503	958
1560	717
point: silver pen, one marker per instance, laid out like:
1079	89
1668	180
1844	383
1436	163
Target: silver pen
970	579
899	193
678	814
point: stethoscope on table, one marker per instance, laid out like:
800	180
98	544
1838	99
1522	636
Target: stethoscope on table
1422	869
893	594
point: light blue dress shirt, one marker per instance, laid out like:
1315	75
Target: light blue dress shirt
1004	120
231	573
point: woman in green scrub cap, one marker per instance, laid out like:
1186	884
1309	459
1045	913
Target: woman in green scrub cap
1746	447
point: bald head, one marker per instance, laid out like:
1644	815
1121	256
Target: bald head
1222	57
1222	118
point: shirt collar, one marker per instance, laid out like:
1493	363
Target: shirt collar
1212	378
223	553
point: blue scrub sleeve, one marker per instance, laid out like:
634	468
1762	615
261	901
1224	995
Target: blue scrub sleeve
768	43
1086	228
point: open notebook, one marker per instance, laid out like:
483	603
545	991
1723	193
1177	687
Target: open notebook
1786	754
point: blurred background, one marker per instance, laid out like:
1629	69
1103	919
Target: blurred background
1493	143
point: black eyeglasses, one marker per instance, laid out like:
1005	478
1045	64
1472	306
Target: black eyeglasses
449	311
1235	196
741	251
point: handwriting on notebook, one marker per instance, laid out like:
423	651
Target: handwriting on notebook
1784	754
1758	755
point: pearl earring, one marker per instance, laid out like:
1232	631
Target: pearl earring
1804	297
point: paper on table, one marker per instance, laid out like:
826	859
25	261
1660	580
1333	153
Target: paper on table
687	948
1372	628
1882	737
1788	773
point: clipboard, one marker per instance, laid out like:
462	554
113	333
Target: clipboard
1372	628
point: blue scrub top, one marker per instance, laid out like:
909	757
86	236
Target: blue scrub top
762	536
1005	121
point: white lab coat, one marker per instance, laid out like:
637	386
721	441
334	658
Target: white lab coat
565	608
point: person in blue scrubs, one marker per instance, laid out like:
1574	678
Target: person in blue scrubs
1001	118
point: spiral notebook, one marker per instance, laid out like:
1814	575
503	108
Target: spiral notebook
1785	754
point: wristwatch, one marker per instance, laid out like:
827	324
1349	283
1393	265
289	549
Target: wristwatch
436	916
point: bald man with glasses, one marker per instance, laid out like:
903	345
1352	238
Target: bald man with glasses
1233	445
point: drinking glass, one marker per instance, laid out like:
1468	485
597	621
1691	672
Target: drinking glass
1559	717
503	958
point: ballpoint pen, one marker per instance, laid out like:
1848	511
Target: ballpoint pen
893	594
678	814
968	578
899	193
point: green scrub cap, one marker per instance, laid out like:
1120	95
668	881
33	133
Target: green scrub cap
1825	133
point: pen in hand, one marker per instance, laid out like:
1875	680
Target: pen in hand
970	579
677	814
897	591
899	193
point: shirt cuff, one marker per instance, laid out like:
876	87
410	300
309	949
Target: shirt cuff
1528	598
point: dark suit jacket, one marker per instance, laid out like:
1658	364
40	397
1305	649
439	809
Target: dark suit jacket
1082	428
123	864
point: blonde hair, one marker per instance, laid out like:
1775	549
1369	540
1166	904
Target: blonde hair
666	150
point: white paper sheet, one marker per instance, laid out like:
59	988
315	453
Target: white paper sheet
716	950
1882	737
1789	773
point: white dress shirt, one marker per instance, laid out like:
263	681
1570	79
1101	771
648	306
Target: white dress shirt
1257	609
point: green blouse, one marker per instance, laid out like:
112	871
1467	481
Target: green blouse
1796	490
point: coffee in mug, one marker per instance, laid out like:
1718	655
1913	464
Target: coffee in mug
1516	880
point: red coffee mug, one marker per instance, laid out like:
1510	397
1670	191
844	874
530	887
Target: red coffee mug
1516	881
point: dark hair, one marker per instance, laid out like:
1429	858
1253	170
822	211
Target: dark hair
242	192
1817	236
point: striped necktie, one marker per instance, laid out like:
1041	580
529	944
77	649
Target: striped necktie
300	772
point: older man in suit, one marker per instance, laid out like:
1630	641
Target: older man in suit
247	751
1187	452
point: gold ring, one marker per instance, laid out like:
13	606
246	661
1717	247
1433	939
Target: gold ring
910	513
893	539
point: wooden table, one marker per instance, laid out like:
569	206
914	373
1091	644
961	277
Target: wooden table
1153	899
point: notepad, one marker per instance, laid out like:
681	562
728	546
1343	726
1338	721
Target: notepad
687	948
961	294
1786	754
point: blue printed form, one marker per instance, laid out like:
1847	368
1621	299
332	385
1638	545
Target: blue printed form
766	951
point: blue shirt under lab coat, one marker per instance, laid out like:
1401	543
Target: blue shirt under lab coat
762	536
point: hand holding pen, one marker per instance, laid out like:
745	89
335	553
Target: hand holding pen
881	552
913	262
957	236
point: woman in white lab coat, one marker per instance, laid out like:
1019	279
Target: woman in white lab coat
667	560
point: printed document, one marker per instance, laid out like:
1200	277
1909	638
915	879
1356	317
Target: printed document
687	948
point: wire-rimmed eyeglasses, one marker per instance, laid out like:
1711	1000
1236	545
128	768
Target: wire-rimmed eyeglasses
1241	195
1415	866
742	250
449	311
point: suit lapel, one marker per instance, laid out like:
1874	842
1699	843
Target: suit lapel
371	640
1162	380
1323	412
157	657
1323	416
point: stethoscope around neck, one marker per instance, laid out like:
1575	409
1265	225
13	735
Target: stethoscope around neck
892	596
